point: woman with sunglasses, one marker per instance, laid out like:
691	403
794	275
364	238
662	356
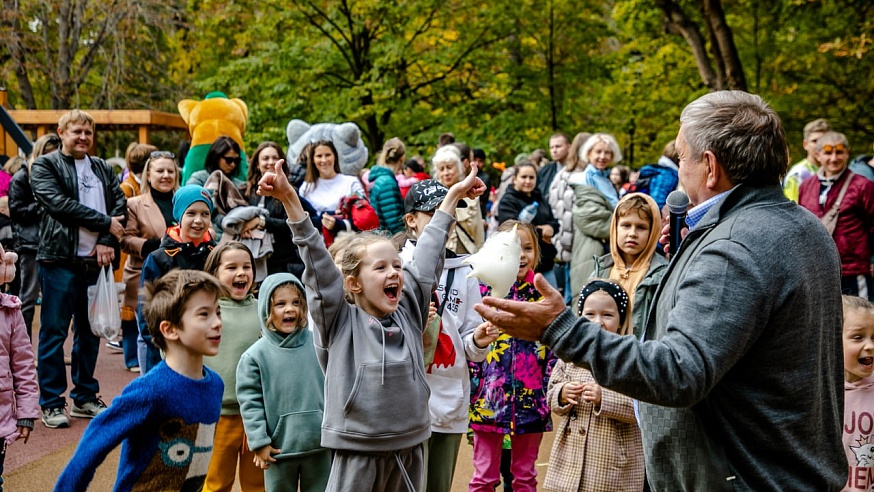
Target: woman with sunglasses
224	155
149	214
836	190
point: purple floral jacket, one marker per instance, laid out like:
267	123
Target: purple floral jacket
508	389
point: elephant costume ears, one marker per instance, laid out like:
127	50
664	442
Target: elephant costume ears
346	137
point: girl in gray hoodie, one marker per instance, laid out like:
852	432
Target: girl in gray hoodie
376	397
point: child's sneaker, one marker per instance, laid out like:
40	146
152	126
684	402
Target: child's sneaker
87	410
114	346
54	418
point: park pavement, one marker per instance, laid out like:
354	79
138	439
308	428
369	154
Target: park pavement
35	466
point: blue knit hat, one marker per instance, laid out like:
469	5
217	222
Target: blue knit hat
186	196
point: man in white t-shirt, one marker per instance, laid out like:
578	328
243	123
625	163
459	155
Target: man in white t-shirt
79	235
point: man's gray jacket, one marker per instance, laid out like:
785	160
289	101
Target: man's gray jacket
740	376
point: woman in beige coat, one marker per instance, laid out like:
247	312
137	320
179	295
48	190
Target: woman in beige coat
597	443
468	235
149	215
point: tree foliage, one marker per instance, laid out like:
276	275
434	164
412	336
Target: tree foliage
502	76
110	54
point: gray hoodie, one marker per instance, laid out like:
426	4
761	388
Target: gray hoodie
376	397
280	385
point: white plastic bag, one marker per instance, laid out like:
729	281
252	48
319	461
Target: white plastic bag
104	312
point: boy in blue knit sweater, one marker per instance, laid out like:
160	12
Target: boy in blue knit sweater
164	420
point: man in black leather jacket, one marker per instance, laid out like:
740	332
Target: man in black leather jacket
80	228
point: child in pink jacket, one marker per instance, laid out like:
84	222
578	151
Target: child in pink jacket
19	394
858	342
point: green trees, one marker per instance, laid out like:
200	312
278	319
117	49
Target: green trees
64	53
500	75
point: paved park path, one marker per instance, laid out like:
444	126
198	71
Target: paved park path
35	466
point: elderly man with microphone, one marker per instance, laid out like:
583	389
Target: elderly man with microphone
739	376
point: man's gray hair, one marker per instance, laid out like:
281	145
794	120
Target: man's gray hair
742	131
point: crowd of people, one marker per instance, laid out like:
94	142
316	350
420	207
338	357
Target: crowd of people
298	328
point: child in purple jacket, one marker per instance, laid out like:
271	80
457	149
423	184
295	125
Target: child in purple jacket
510	396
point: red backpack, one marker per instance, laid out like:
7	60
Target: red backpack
356	210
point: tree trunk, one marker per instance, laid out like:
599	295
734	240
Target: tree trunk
723	41
677	22
550	69
26	90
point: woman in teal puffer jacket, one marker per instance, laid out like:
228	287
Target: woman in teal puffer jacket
385	195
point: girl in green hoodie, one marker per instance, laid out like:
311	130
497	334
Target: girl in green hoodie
281	387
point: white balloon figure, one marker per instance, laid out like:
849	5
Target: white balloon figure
497	262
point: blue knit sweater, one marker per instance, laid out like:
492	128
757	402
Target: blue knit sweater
165	423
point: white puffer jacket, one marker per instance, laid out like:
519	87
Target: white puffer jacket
561	199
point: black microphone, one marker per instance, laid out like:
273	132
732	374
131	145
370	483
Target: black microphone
678	204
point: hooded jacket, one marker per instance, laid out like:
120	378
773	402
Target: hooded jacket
858	408
509	394
280	385
641	278
385	198
455	346
376	396
19	394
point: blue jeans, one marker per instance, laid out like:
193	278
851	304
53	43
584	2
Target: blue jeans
129	333
562	273
148	355
550	277
65	296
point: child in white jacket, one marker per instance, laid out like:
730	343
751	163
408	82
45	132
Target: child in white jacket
463	336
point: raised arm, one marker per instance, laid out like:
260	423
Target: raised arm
323	280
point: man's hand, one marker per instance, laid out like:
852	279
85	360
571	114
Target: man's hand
665	240
115	227
263	456
104	254
525	320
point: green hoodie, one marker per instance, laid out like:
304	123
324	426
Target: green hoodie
280	384
239	332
